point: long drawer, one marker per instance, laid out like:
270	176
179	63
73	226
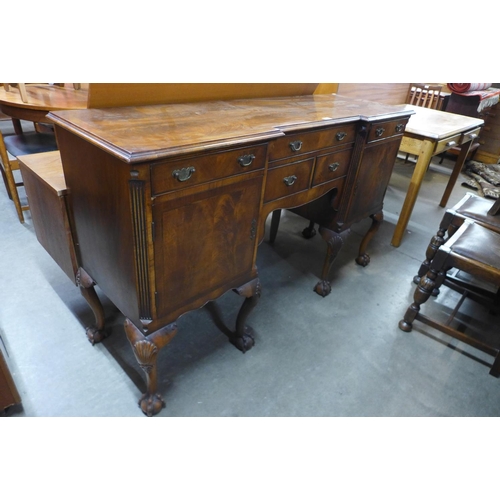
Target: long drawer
168	176
305	142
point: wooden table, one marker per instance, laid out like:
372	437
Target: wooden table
41	100
169	202
428	133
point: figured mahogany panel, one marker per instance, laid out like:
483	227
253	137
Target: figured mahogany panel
204	241
372	179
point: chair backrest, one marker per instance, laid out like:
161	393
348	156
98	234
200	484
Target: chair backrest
424	95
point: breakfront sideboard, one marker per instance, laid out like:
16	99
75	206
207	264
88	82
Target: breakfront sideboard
168	202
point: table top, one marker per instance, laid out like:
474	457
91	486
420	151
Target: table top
437	125
48	167
44	98
145	133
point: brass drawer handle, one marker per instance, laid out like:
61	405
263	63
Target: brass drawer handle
451	144
400	127
341	135
289	181
183	174
379	132
334	166
246	160
295	146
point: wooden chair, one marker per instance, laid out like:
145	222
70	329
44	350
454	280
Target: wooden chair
473	249
471	207
424	95
12	146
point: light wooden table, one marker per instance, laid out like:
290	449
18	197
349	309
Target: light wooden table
428	133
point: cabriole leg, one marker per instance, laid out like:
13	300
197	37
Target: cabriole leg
146	350
243	337
94	333
363	259
334	243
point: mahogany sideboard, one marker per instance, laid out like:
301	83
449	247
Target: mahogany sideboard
168	203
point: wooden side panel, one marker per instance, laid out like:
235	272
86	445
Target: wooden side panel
99	194
106	95
50	220
385	93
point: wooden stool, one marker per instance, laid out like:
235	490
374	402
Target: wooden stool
473	249
484	212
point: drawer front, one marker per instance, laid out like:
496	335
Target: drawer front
305	142
470	136
384	130
448	143
287	180
188	172
331	166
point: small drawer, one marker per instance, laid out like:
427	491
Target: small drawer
449	142
331	166
384	130
470	136
192	171
305	142
290	179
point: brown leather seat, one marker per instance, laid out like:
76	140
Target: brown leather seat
482	211
475	250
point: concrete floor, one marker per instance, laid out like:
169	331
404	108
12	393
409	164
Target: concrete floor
342	355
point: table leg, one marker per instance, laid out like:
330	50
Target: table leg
423	161
464	151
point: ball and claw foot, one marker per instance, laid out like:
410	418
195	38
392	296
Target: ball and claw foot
94	335
151	404
323	288
245	342
363	259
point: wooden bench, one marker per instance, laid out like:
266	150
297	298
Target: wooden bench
47	193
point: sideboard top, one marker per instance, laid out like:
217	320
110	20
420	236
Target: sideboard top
146	133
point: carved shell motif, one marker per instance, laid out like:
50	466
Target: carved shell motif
145	353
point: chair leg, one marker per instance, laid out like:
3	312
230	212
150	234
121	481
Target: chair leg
7	188
13	191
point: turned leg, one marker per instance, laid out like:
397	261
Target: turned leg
146	350
95	333
275	222
309	231
334	243
363	259
422	293
243	337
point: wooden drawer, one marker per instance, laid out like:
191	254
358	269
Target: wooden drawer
192	171
305	142
448	143
287	180
470	136
383	130
331	166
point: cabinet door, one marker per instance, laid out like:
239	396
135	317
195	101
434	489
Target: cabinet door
205	244
372	178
